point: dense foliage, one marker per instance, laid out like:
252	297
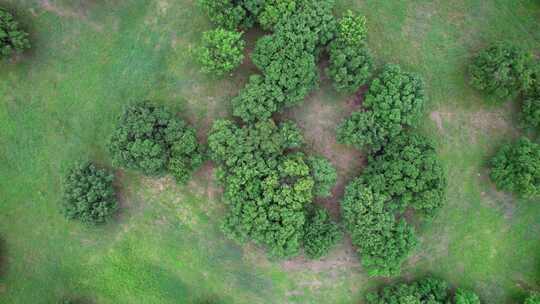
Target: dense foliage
428	290
394	101
533	298
383	242
530	108
152	140
88	194
408	170
221	51
287	60
350	60
405	173
12	38
276	11
516	168
324	175
267	186
320	233
503	70
228	14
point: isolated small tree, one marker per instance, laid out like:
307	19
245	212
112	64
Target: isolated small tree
221	51
503	70
151	139
12	38
89	194
321	234
351	29
516	168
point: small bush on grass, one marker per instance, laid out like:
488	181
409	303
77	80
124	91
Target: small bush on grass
516	168
89	194
12	38
502	70
221	51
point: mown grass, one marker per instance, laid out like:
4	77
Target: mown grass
58	104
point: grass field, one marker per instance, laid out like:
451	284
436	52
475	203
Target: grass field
59	101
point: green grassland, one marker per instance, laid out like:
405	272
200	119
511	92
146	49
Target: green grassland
58	104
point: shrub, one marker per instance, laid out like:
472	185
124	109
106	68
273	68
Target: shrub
12	38
320	233
428	290
394	101
221	51
409	172
533	298
466	297
152	140
88	194
502	70
324	176
530	112
516	168
383	242
266	184
350	66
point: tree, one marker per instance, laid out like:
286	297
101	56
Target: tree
228	14
221	51
152	140
502	70
324	175
89	194
516	168
382	241
258	100
267	184
351	29
276	11
350	66
464	296
394	101
533	298
320	233
428	290
408	170
12	38
530	109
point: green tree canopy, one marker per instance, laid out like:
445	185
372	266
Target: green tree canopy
88	194
321	234
394	101
267	184
150	139
503	70
12	38
516	168
221	51
533	298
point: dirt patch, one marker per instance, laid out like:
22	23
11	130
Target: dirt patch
342	258
68	13
435	116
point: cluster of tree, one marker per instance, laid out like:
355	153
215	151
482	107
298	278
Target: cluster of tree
151	139
506	72
350	59
405	173
428	290
88	194
516	168
394	101
269	186
12	38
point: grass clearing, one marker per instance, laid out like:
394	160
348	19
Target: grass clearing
89	58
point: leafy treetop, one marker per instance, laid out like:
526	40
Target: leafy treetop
12	38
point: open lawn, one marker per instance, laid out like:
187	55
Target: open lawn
58	104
